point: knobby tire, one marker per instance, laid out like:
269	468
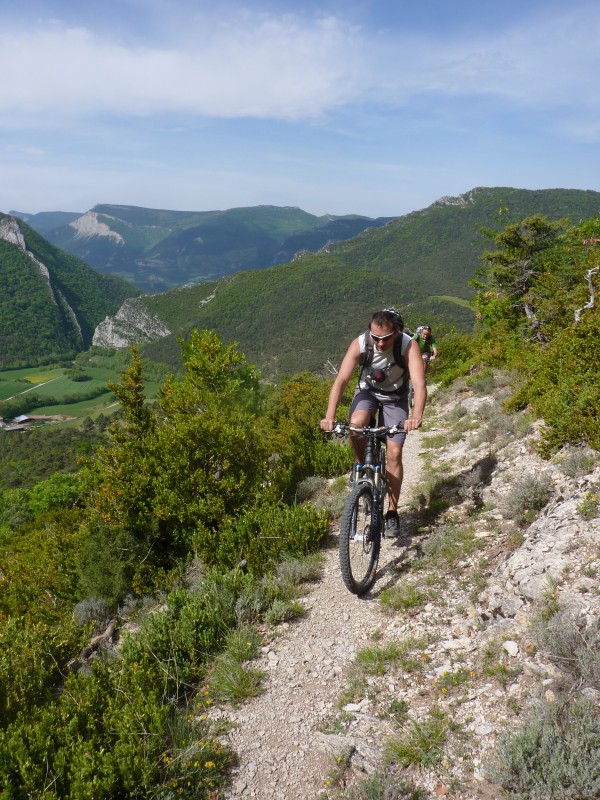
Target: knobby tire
360	539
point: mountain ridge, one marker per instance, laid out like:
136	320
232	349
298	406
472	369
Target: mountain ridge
159	249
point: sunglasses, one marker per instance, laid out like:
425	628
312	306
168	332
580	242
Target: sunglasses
382	338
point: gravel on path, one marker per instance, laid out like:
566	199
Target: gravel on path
281	751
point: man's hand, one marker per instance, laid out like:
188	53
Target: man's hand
327	424
412	424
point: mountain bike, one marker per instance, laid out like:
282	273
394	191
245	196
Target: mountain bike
362	523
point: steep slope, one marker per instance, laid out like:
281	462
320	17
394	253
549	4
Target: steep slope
50	302
161	249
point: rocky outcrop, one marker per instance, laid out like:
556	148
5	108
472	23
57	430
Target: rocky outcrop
88	225
133	324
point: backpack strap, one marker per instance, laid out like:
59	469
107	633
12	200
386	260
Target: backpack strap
366	358
400	358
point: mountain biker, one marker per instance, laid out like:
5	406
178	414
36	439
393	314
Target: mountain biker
383	384
424	338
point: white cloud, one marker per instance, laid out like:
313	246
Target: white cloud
290	67
277	68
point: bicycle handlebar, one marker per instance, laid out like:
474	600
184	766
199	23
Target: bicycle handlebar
341	428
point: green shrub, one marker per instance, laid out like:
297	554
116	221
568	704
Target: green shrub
528	495
106	562
40	576
262	536
423	743
33	661
555	755
456	358
110	735
563	385
59	490
187	632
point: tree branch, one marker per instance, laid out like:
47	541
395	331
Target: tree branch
590	303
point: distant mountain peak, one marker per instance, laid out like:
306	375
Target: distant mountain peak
88	226
461	200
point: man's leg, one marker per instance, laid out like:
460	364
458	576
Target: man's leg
394	414
395	473
363	408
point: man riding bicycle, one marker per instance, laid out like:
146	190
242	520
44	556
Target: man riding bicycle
424	338
388	357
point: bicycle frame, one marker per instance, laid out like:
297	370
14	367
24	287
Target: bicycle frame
362	525
373	468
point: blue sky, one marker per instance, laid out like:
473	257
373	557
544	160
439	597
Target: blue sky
371	107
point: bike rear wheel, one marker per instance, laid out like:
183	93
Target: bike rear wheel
360	539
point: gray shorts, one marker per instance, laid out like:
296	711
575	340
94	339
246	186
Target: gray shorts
394	411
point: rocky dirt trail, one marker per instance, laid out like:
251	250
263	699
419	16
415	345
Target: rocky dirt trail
462	666
277	736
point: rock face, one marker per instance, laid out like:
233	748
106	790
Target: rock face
89	225
132	324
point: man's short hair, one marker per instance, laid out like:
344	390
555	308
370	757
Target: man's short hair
386	317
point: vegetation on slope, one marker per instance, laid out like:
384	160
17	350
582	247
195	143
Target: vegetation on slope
169	488
532	307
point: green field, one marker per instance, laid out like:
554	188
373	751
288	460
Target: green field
54	382
458	301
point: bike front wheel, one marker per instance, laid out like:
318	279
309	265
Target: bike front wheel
360	539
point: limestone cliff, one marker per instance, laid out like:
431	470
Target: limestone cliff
132	324
89	225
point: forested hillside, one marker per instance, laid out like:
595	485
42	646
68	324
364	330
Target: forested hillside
51	301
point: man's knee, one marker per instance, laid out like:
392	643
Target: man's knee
360	418
394	452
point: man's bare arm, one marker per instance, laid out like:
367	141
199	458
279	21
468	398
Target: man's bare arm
417	377
342	380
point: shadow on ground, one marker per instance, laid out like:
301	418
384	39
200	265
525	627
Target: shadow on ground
431	504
